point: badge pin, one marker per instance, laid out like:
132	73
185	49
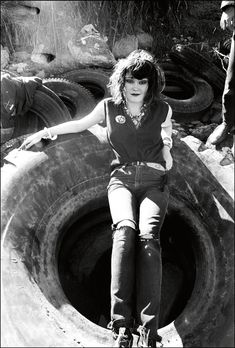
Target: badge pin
120	119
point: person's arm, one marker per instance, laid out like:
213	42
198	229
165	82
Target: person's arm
166	133
74	126
227	17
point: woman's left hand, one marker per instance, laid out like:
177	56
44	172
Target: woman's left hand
167	157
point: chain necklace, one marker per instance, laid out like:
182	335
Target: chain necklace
136	118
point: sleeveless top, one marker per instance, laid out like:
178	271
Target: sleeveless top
130	144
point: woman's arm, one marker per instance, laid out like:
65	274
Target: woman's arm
74	126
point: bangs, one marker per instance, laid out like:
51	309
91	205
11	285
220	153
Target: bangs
141	70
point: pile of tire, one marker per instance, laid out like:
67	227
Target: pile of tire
46	110
56	101
193	81
200	64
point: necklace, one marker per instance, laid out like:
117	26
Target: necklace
136	118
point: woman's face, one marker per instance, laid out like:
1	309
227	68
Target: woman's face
135	90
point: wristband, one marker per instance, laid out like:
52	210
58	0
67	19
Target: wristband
49	136
167	144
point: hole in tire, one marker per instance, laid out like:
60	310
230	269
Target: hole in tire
84	266
178	89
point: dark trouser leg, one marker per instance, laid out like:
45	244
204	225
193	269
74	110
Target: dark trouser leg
123	276
122	205
148	285
148	264
228	94
222	130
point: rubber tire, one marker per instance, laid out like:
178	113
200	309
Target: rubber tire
43	191
76	98
198	63
170	65
194	107
92	79
47	110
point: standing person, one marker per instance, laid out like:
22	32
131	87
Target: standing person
139	132
227	125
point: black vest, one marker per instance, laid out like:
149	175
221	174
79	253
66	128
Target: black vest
132	144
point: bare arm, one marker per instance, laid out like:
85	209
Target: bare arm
95	116
74	126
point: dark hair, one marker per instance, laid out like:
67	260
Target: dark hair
141	64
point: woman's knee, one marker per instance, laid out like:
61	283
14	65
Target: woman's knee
125	223
124	232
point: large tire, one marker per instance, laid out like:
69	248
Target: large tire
201	65
193	107
47	110
77	99
45	192
170	65
92	79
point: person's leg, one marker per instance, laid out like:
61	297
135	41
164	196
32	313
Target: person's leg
221	131
122	208
153	208
228	94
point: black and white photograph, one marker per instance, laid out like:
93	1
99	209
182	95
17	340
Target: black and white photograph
117	173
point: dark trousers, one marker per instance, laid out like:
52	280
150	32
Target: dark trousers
138	194
228	100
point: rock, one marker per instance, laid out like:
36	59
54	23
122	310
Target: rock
227	160
42	58
41	74
19	57
91	50
206	117
125	46
40	55
203	132
145	41
217	117
19	67
5	57
129	43
196	122
215	112
89	29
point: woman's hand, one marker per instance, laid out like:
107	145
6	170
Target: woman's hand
32	140
167	157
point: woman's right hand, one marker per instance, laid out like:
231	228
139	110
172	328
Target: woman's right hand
32	140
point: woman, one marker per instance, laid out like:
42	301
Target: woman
139	131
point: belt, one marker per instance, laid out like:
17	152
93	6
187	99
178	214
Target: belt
148	164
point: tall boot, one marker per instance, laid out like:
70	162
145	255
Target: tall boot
122	277
148	286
